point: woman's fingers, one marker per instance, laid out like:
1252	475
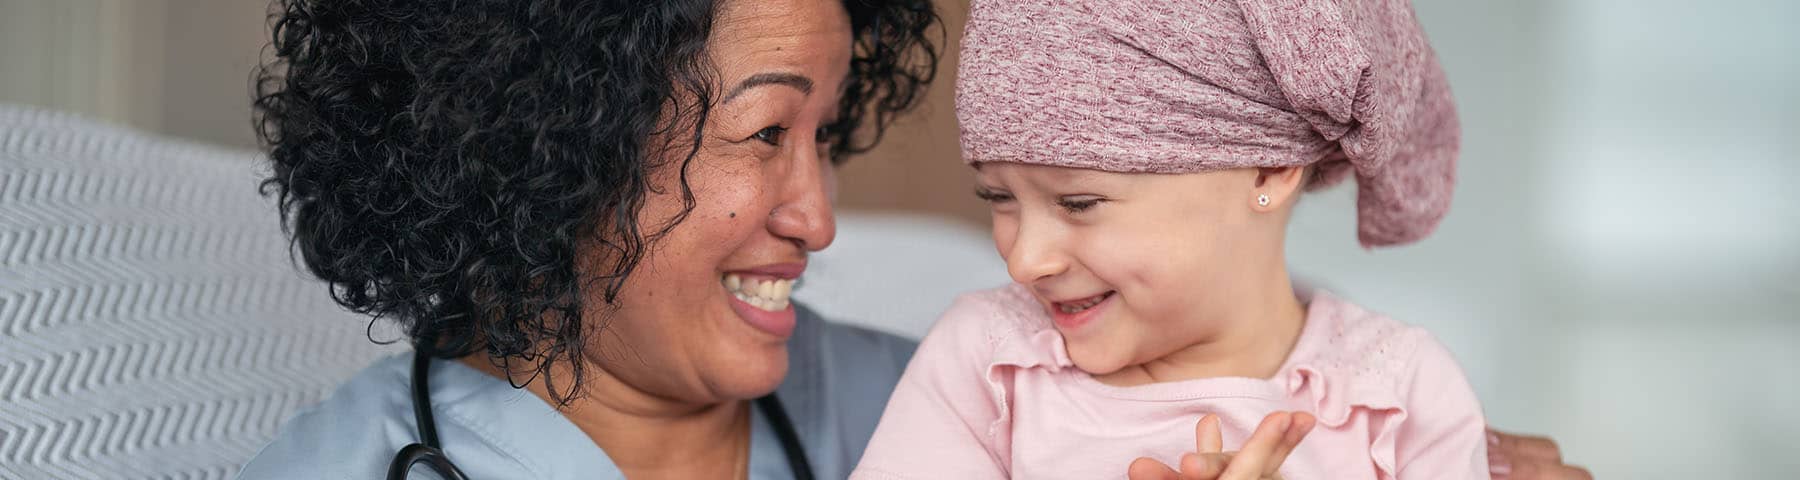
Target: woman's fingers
1146	468
1302	424
1207	435
1524	457
1524	447
1248	463
1539	470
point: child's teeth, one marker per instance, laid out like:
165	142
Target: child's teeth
733	281
1076	307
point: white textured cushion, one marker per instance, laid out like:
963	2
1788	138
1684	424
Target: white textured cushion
151	322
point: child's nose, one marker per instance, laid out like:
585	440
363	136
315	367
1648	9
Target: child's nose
1036	254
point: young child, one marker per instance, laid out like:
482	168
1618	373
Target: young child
1142	160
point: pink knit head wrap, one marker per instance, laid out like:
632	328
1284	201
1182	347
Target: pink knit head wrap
1199	85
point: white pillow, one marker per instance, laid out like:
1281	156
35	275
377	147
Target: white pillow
152	323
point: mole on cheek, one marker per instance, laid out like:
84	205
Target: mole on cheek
733	214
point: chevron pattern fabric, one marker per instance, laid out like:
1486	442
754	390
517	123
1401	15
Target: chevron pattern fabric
152	322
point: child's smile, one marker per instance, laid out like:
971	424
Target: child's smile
1072	314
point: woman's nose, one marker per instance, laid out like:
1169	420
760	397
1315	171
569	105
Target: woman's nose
1036	254
804	215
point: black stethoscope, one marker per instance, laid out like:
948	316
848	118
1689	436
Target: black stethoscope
430	452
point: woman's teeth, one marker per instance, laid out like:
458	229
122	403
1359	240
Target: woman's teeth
1083	305
765	293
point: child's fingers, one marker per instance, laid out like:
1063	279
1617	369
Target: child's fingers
1207	435
1203	466
1146	468
1302	425
1248	463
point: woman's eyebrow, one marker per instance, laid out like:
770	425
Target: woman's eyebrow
803	84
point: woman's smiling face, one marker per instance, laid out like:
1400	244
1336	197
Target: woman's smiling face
705	316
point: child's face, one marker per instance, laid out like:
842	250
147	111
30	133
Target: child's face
1130	266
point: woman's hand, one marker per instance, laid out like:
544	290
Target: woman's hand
1260	459
1520	457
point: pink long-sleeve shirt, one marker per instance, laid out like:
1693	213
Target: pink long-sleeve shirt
991	393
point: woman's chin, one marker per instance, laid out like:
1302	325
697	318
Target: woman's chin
751	375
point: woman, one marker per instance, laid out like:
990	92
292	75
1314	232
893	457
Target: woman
590	213
604	203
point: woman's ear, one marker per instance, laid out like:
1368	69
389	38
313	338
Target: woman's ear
1277	187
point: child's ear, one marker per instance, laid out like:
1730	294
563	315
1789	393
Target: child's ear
1276	187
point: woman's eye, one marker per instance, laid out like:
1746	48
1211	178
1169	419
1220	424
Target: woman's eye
770	135
1078	204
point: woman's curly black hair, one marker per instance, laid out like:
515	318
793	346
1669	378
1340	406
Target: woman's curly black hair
441	162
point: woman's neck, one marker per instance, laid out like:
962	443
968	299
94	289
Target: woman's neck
1256	337
650	436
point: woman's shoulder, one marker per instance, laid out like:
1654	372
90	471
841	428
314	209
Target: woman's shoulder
839	379
831	338
839	363
488	428
358	428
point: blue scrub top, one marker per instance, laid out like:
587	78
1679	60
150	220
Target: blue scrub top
838	381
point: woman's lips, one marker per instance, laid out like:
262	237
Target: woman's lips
760	296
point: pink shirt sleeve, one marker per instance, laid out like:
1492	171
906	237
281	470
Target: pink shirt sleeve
939	422
1444	435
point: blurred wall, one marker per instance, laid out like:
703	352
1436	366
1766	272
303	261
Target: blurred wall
1621	268
1669	209
180	67
918	166
94	57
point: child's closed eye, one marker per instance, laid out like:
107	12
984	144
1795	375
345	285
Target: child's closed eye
1079	203
992	196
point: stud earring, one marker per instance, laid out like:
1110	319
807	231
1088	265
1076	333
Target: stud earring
1262	200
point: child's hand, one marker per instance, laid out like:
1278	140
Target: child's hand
1260	459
